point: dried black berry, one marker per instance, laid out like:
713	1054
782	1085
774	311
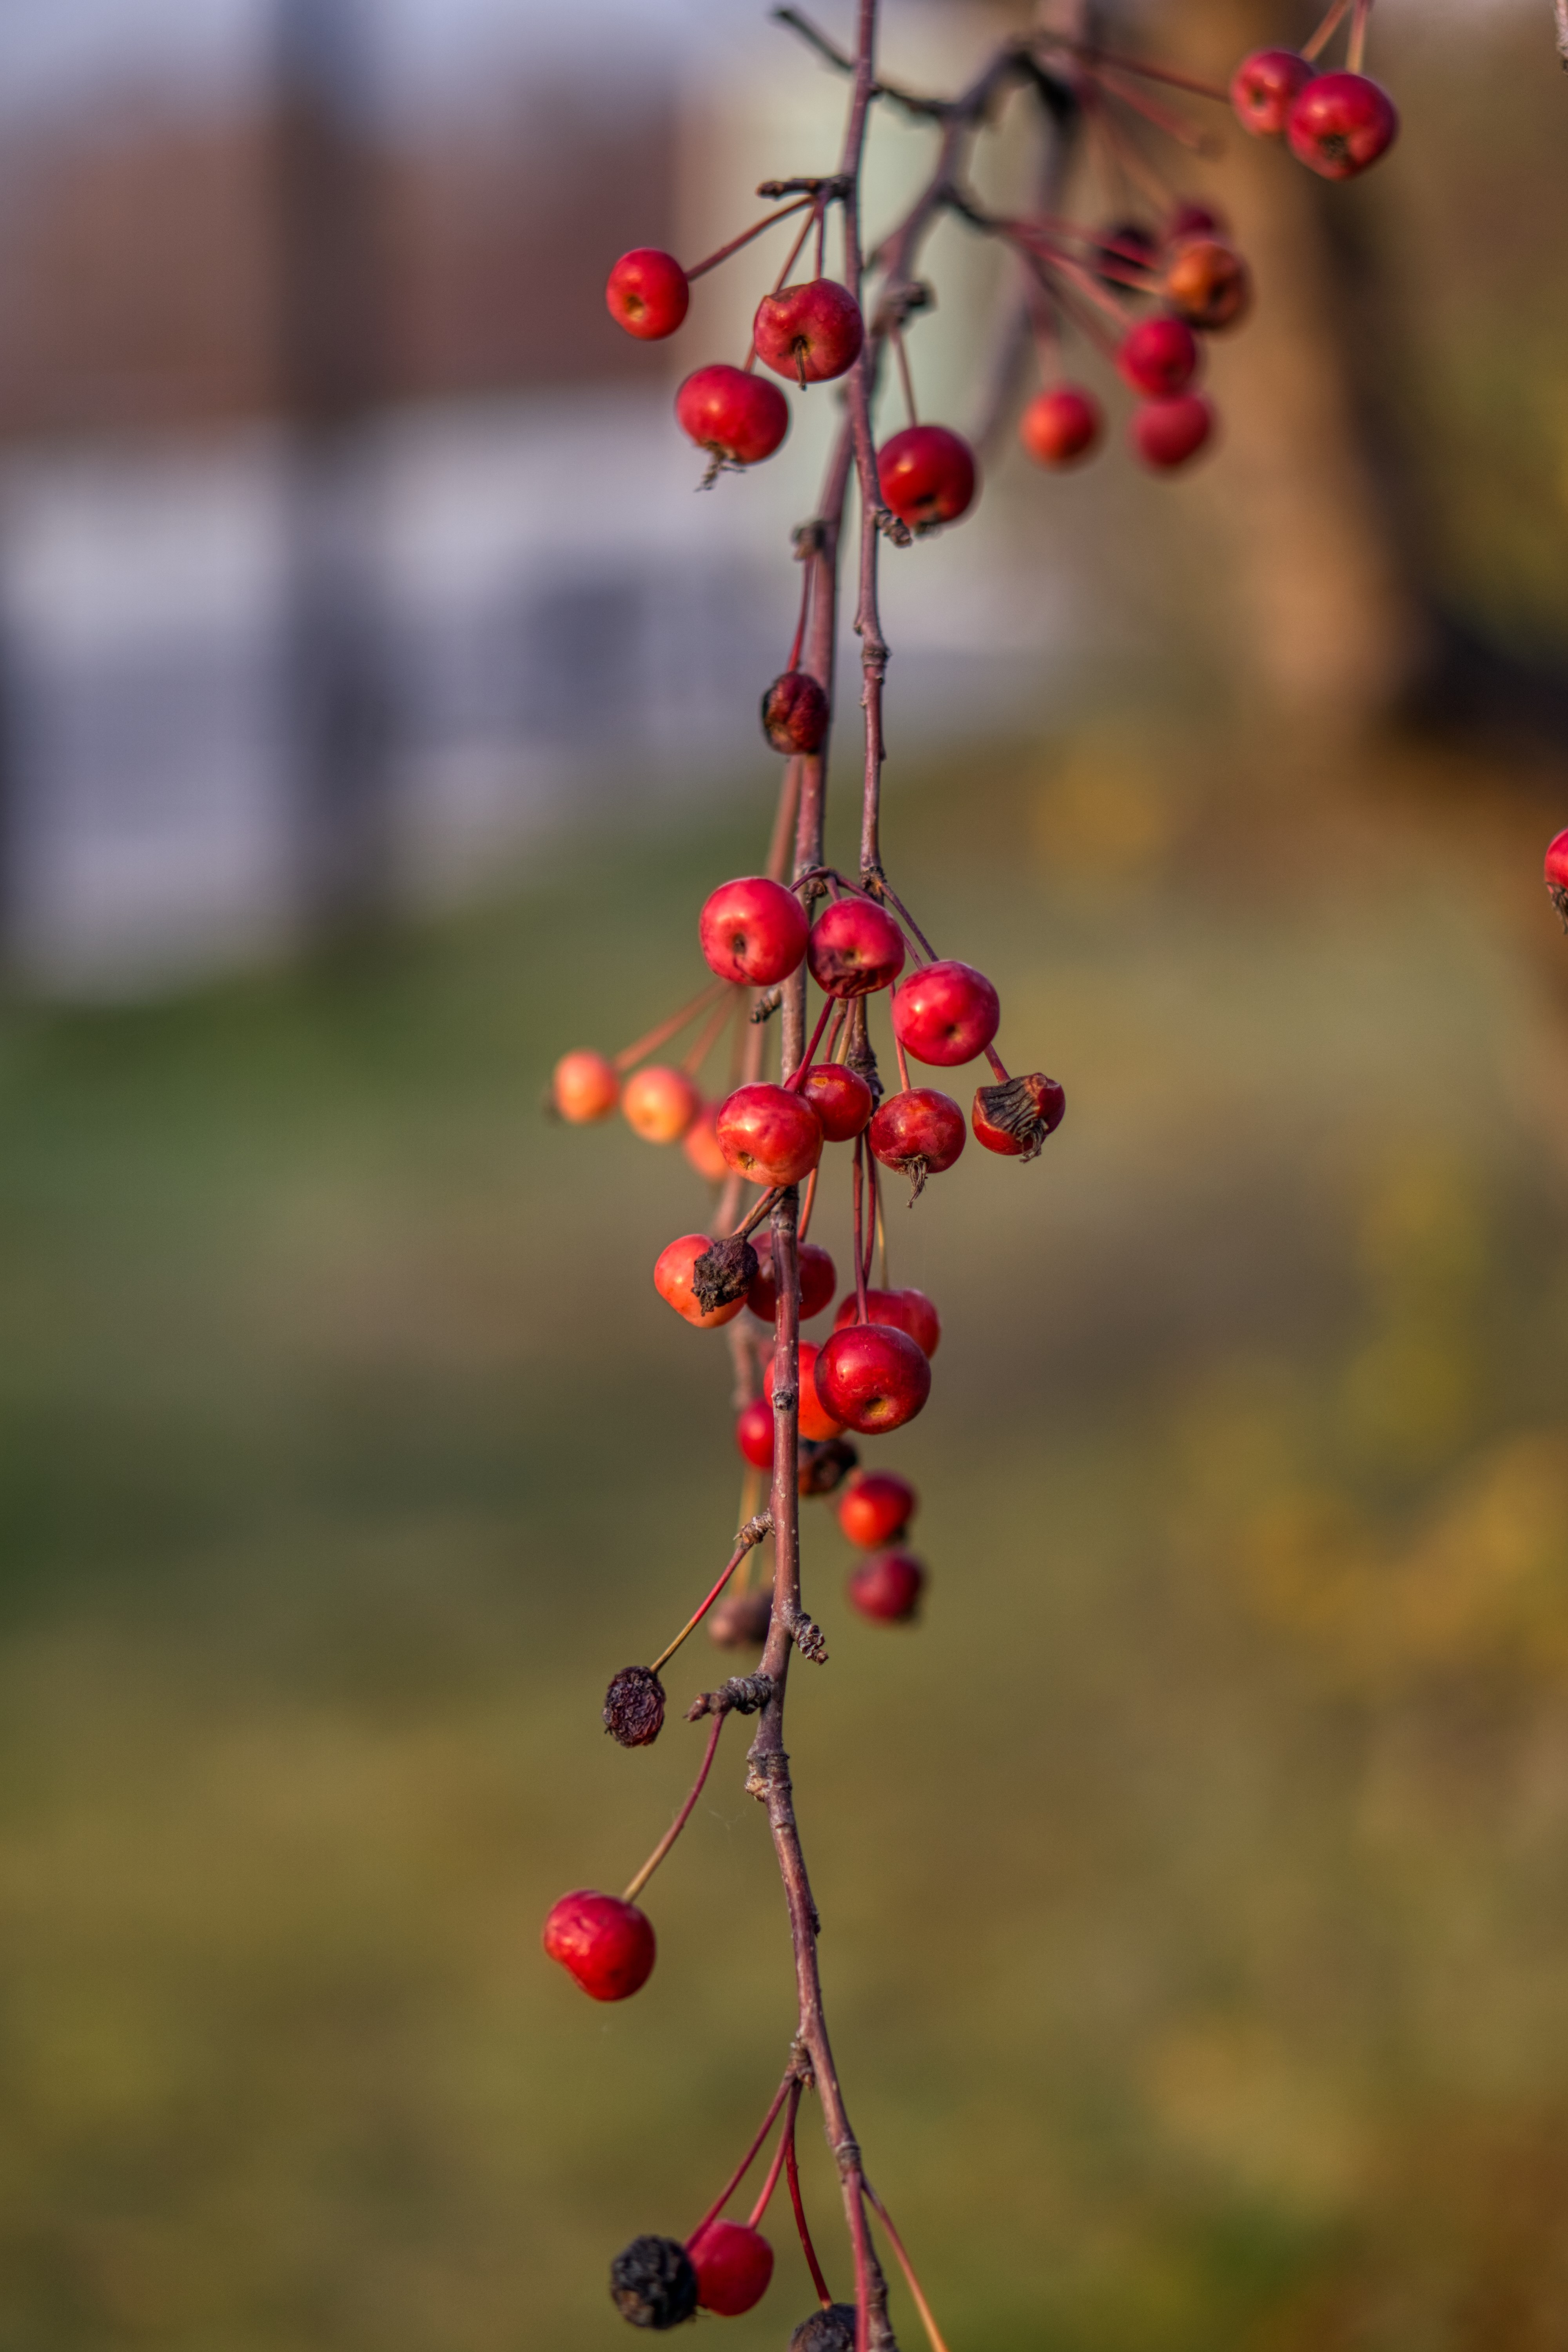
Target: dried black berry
634	1707
726	1270
827	2331
1025	1110
653	2283
824	1464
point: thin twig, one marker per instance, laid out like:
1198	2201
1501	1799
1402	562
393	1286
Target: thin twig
631	1893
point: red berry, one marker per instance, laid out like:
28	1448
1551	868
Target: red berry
1016	1117
1557	875
647	293
769	1134
945	1013
887	1587
840	1097
607	1945
585	1087
927	475
1159	355
1060	426
818	1280
1341	123
733	2266
1208	283
919	1132
796	712
877	1505
754	1433
816	1420
811	333
738	417
701	1145
1264	86
873	1377
659	1104
1124	246
753	930
672	1280
906	1310
854	947
1193	220
1166	433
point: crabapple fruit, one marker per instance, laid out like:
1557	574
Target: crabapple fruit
872	1376
733	2264
855	948
740	1622
919	1132
1341	123
1166	433
769	1134
653	2283
1060	426
753	931
877	1505
739	418
818	1280
701	1145
1159	355
1557	875
927	475
811	333
886	1587
1208	283
945	1013
1264	88
816	1420
1016	1117
796	712
840	1097
754	1432
906	1310
607	1945
647	293
659	1104
584	1087
672	1280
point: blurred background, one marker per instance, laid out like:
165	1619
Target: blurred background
376	709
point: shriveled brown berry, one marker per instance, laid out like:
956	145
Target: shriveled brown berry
827	2331
1016	1117
825	1465
796	712
740	1622
724	1273
654	2284
634	1707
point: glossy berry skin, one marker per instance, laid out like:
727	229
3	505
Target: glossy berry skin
701	1145
1059	427
672	1280
753	931
818	1280
1341	123
840	1097
927	475
877	1508
855	948
607	1945
1557	875
733	2266
945	1013
754	1433
906	1310
1264	86
659	1104
737	417
1208	283
873	1377
1159	356
584	1087
769	1134
1166	433
816	1420
917	1125
647	293
887	1588
796	712
810	334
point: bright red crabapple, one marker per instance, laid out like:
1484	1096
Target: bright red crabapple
585	1087
854	947
1264	86
945	1013
672	1280
607	1945
1060	426
816	1420
877	1505
754	1433
753	931
733	2264
906	1310
738	418
840	1097
659	1104
818	1280
1166	433
919	1132
811	333
701	1145
769	1134
1208	283
1341	123
886	1587
1557	875
1159	356
796	712
872	1376
647	293
927	475
1016	1117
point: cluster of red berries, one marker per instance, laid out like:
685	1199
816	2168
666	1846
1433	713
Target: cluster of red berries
1335	123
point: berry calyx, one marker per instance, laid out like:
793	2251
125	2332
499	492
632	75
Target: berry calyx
945	1013
886	1587
634	1707
676	1280
754	1433
647	293
927	475
733	2266
753	931
701	1145
1208	283
796	712
1264	88
1166	433
919	1132
906	1310
740	1622
855	948
1557	875
872	1376
1341	123
659	1104
876	1506
810	332
1159	355
653	2283
1016	1117
769	1134
1058	427
607	1945
818	1280
584	1087
738	419
816	1420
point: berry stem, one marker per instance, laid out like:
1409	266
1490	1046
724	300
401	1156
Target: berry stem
786	2138
921	2305
755	1216
994	1059
792	2174
859	1187
1355	47
783	277
905	378
1094	56
903	1066
796	1078
706	1039
1325	33
1184	133
752	1533
630	1055
701	268
791	2082
684	1815
809	1202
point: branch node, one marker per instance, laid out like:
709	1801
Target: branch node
809	1638
889	526
741	1695
766	1006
